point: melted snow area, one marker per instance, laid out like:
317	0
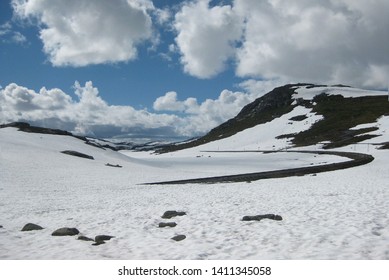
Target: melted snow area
336	215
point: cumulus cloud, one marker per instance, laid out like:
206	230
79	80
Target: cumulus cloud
194	118
83	32
168	102
89	114
206	37
334	41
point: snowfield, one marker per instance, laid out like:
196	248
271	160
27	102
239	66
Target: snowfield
341	214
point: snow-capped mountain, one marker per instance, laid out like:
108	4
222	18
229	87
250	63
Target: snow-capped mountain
299	115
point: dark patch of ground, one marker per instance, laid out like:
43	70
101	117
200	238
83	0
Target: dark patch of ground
340	115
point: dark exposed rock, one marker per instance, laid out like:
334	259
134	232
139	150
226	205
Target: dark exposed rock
77	154
65	232
261	217
102	238
172	214
84	238
162	225
298	118
384	146
30	226
1	226
179	237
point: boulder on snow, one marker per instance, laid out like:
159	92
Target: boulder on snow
172	214
261	217
102	238
31	226
162	225
179	237
65	232
77	154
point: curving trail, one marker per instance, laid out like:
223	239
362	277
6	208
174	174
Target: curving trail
356	159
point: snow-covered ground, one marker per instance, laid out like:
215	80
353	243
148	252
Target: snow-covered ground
335	215
342	214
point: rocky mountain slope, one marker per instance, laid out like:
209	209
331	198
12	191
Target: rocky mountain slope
338	111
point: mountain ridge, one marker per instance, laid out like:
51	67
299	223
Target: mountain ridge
340	113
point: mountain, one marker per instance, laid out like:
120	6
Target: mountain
331	115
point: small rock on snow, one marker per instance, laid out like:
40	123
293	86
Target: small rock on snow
172	214
102	238
179	237
162	225
261	217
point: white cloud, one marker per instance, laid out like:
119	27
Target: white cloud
198	118
206	37
83	32
332	41
90	114
168	102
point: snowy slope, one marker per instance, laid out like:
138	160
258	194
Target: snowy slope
308	93
336	215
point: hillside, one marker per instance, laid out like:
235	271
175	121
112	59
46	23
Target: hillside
332	113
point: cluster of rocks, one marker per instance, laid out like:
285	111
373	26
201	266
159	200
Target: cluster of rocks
169	215
101	239
66	231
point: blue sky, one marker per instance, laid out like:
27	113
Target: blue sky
176	68
137	83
